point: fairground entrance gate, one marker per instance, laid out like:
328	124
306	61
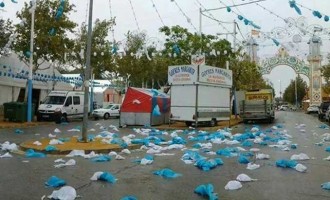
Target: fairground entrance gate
312	71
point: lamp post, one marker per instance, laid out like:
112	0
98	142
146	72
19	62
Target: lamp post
280	90
30	85
296	91
87	72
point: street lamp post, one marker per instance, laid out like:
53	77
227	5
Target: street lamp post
30	84
87	72
280	90
296	92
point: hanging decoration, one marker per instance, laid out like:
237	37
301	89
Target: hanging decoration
2	4
275	42
316	13
60	10
14	1
241	18
293	4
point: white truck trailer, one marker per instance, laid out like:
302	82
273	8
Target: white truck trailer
199	94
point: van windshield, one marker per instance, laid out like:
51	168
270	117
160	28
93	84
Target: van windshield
56	100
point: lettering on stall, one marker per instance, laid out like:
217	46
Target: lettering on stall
258	97
182	73
216	75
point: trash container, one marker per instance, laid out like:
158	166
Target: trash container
17	111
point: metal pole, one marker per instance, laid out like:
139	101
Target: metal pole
30	84
87	72
92	94
296	93
200	21
234	42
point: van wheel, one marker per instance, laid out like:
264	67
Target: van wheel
64	118
213	122
106	116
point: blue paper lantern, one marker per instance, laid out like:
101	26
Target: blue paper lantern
52	31
240	17
228	9
2	4
246	21
326	18
27	54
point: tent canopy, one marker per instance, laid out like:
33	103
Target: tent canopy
141	100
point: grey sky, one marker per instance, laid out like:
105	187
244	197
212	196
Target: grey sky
148	20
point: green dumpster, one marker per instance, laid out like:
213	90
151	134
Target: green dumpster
17	111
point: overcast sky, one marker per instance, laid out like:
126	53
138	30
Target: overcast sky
147	19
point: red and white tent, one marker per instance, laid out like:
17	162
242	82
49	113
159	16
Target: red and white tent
144	107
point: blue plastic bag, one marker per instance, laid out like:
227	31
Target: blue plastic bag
107	177
30	153
54	181
247	143
50	148
103	158
243	159
286	163
207	165
326	186
18	131
178	140
130	197
206	190
327	149
166	173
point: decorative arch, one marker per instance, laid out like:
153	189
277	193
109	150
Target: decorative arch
299	66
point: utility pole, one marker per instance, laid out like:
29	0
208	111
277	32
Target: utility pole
87	72
30	84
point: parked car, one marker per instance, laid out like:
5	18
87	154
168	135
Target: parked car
284	107
112	110
322	109
312	109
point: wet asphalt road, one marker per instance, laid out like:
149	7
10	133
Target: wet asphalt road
25	180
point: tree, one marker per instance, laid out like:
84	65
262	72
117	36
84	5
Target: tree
51	39
6	30
326	75
290	93
102	56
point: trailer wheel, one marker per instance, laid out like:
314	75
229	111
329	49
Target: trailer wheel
213	122
188	123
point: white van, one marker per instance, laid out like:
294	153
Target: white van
59	106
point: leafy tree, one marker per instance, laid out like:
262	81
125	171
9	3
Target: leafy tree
326	75
102	56
6	29
290	93
51	35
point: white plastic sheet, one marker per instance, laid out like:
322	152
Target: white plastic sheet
233	185
244	178
65	193
300	156
261	156
252	166
300	167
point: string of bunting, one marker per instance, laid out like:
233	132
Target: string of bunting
2	3
185	15
241	18
316	13
154	6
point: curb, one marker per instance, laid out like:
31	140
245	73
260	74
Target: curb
24	146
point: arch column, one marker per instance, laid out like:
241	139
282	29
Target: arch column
314	58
